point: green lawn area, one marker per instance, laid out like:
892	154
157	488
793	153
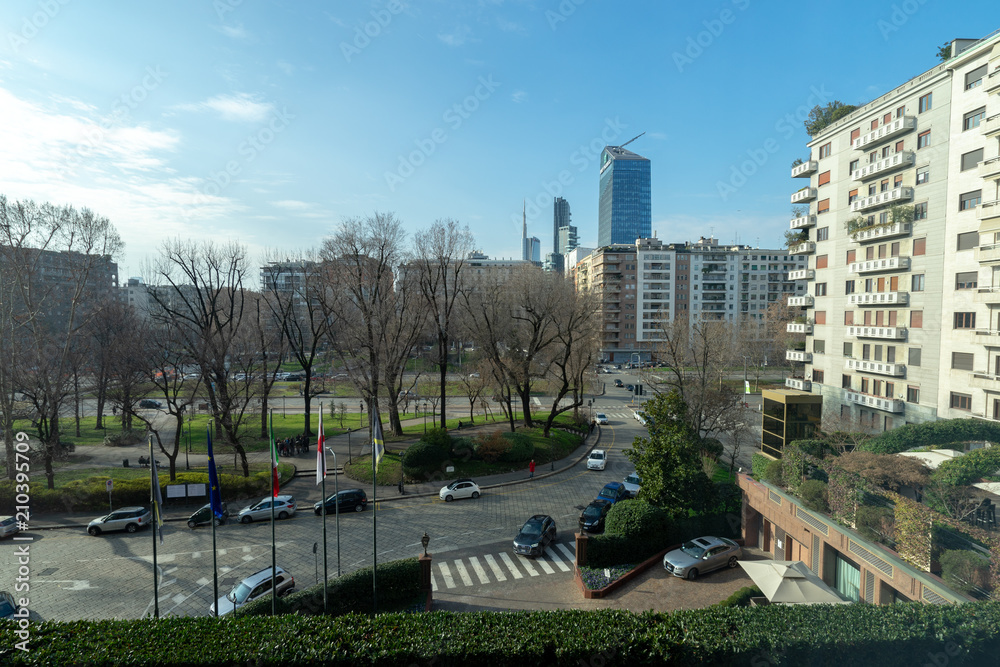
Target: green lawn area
64	476
285	426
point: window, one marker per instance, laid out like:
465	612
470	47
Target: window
817	376
886	119
897	180
913	394
819	317
885	151
925	103
855	133
820	289
848	349
970	200
854	165
852	196
966	280
874	124
962	361
894	249
823	234
916	319
819	346
975	77
872	189
821	261
851	255
968	240
961	401
965	320
923	139
971	159
849	287
848	317
900	111
899	146
919	246
884	185
845	381
824	178
972	119
822	206
917	282
825	150
923	175
914	356
920	211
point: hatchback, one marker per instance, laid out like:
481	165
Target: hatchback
284	507
150	403
351	500
592	518
613	491
204	515
619	383
460	488
254	587
129	519
597	460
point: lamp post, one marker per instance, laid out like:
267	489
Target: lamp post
425	417
361	412
425	540
590	404
187	453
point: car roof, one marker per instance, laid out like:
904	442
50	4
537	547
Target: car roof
262	575
600	502
129	509
283	498
538	517
464	479
613	485
597	451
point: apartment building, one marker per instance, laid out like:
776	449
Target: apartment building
902	241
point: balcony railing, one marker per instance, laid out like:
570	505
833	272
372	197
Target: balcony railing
878	298
890	333
802	248
987	295
803	195
798	383
895	128
990	168
885	165
802	274
984	380
990	126
899	194
992	83
865	366
798	355
805	169
799	327
805	301
988	210
988	253
877	402
884	264
877	232
803	222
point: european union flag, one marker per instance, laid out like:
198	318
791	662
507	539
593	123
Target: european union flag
214	493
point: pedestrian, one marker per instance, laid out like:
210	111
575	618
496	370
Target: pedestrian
531	469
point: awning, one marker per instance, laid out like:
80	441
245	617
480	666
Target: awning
790	582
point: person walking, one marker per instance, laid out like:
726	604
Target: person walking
531	469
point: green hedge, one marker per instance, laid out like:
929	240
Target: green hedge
398	584
741	598
901	635
422	456
636	519
522	449
439	438
941	432
758	463
609	549
968	469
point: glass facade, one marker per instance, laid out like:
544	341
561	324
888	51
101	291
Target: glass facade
624	209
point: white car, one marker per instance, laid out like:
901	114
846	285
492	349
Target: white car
8	526
601	418
597	460
460	488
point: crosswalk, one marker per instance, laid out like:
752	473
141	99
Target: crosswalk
618	415
501	567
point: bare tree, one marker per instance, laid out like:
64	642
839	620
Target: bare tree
130	360
406	320
474	385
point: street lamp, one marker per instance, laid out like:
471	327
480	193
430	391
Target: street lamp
425	417
590	404
187	454
361	412
425	540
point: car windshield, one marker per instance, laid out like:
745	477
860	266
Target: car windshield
597	455
592	512
239	594
632	479
453	485
532	529
607	493
6	608
692	549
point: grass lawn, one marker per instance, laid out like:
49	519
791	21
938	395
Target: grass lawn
65	476
285	426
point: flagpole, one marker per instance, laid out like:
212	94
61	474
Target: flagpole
274	494
215	556
371	439
154	483
321	460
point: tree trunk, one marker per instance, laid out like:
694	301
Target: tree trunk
443	358
307	401
50	443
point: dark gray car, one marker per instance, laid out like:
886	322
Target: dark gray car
700	555
537	533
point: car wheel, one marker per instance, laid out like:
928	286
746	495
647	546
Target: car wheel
359	508
475	494
283	515
448	499
219	522
733	561
692	574
191	524
94	530
131	528
246	519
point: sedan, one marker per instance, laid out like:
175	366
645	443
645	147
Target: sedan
700	555
597	460
150	403
204	515
460	488
129	519
601	418
284	507
632	484
592	518
619	383
351	500
255	586
537	533
630	387
8	526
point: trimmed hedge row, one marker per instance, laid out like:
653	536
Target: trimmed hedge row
610	549
968	469
758	463
941	432
903	634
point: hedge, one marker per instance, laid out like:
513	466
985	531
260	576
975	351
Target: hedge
439	438
741	598
422	456
758	463
522	448
941	432
609	549
968	469
903	635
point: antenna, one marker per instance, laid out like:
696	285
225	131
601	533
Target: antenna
631	140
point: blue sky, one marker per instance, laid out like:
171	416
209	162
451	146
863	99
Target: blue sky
270	122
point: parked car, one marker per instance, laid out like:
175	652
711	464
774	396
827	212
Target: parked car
701	555
8	526
284	507
460	488
204	515
7	605
630	387
128	519
351	500
254	587
537	533
632	484
619	383
592	518
150	403
601	418
640	416
473	375
613	491
597	460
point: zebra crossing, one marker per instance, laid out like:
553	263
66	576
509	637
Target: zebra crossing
617	415
501	567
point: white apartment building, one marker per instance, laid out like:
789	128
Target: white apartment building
902	315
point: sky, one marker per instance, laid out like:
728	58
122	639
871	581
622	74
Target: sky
272	122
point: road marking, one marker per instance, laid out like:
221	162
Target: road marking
497	572
565	549
247	558
446	574
556	559
203	581
526	564
480	572
545	564
223	552
246	550
196	554
434	583
462	572
510	566
180	597
171	570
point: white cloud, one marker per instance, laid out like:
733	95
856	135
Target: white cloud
519	96
457	37
240	107
301	209
234	32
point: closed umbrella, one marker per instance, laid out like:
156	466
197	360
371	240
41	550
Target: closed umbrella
790	582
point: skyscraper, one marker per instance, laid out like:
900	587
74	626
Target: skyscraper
560	218
624	210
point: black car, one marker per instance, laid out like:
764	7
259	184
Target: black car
630	387
7	605
537	533
619	383
150	403
351	500
593	516
204	515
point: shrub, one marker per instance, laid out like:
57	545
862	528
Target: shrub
741	598
462	448
521	449
712	448
635	519
817	448
440	438
422	456
124	438
772	473
492	446
814	496
941	432
874	523
758	464
965	570
968	469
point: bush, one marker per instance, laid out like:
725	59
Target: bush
965	570
968	469
492	446
712	448
422	456
772	473
758	464
741	598
462	448
814	495
124	438
941	432
817	448
635	519
440	438
521	449
874	523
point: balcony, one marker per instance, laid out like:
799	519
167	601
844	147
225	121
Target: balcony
984	380
992	83
802	274
805	301
895	161
893	196
798	355
878	299
986	254
803	222
879	232
804	195
876	265
990	168
877	402
988	210
802	248
987	295
798	383
805	169
990	126
888	333
799	327
895	370
893	129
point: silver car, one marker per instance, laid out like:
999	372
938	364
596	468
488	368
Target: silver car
700	555
257	585
632	484
284	507
129	519
8	526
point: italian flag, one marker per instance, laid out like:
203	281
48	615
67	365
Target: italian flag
320	450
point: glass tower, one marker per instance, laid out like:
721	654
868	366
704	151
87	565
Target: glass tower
624	210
